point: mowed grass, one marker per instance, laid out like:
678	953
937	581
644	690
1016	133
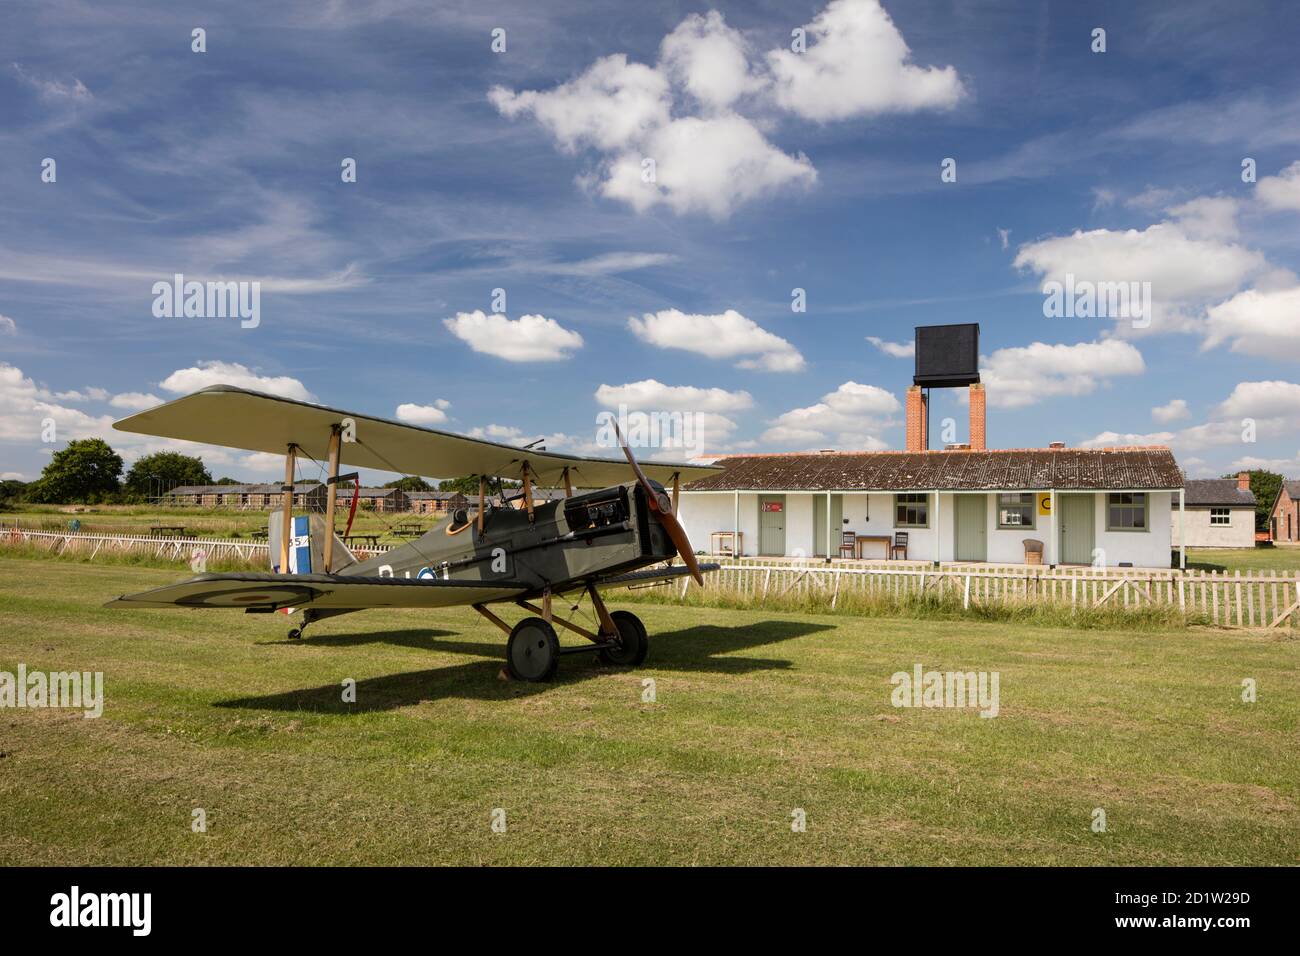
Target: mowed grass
1284	559
757	713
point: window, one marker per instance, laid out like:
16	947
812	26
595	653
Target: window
1015	511
911	511
1220	516
1126	512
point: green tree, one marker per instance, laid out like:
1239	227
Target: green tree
11	492
164	470
227	480
468	485
86	471
1265	485
411	483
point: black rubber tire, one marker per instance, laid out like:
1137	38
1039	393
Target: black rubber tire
295	633
634	643
533	651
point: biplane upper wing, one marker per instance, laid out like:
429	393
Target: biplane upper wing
237	418
270	592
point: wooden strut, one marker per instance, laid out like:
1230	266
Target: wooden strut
528	493
607	625
594	638
568	484
331	495
482	496
677	488
286	525
492	617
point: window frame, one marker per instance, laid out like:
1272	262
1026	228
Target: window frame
1131	504
1223	513
915	499
1031	505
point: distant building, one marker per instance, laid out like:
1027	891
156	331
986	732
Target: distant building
1284	518
251	497
1220	513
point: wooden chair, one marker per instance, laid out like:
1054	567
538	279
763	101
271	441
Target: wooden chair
900	544
848	544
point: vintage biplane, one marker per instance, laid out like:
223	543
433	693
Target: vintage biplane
609	532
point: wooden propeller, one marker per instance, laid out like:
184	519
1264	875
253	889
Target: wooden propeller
663	509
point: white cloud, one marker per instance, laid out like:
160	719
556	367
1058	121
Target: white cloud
856	64
728	335
434	414
850	414
1017	377
1207	217
709	59
704	164
135	401
1263	400
1173	411
8	325
204	374
530	338
1004	237
11	476
1117	440
1186	273
650	394
1281	191
893	349
680	119
1262	322
72	90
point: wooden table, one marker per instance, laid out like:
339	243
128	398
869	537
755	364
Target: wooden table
167	531
367	540
734	546
411	529
885	539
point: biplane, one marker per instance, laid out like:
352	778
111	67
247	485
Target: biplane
605	532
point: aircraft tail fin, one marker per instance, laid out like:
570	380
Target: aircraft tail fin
306	546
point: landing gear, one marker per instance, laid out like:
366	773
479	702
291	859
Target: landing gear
632	644
533	651
295	633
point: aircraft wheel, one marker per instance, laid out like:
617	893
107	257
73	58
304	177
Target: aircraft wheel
295	633
533	651
633	643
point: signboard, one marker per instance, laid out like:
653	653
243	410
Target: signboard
1045	504
772	506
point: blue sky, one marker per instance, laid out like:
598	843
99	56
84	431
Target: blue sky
776	170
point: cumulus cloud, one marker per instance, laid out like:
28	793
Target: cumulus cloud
857	65
1172	411
728	335
135	401
893	349
1263	400
850	414
1281	191
435	414
675	134
1190	261
1261	322
651	394
1017	377
530	338
186	380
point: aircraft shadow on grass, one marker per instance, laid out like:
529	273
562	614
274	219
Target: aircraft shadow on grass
691	650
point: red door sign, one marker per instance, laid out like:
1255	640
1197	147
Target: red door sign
772	507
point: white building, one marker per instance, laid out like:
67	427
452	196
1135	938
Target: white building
1111	506
1220	513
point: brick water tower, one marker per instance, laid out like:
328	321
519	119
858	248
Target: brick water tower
947	356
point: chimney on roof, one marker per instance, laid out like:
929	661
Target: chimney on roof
916	438
1056	444
977	417
1243	481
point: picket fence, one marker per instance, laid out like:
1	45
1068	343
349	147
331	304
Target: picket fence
1256	599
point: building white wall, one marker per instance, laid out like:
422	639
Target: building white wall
873	514
1238	533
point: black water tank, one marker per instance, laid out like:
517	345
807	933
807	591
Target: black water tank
947	356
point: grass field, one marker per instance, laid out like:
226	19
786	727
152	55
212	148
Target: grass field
757	713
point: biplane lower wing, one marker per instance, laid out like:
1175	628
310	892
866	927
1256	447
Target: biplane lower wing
652	576
270	592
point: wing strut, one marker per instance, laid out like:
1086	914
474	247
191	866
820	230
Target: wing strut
286	528
331	496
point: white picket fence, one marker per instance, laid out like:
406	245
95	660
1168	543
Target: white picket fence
1257	599
172	549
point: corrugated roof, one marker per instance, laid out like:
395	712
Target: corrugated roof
1218	491
1017	469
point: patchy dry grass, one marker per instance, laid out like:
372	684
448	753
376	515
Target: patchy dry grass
758	712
